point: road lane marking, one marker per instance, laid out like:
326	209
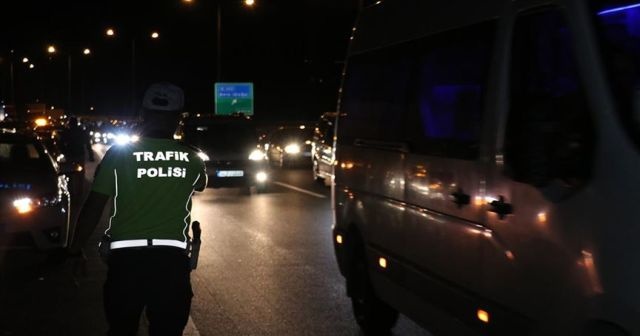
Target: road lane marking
300	190
190	329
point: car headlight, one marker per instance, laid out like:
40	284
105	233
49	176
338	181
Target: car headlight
261	177
292	149
256	155
123	139
24	205
203	156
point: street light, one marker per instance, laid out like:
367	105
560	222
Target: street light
247	3
25	60
31	66
69	54
154	35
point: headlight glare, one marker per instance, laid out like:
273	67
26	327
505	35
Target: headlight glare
256	155
261	177
292	149
23	205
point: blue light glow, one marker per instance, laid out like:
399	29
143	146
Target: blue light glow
619	9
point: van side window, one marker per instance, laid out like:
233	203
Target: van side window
376	96
453	70
550	131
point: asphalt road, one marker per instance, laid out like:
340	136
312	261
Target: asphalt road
266	268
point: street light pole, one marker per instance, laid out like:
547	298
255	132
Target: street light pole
133	77
247	3
12	92
69	82
219	43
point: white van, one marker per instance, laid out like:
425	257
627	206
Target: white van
488	167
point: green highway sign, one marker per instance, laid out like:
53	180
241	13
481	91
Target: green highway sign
234	98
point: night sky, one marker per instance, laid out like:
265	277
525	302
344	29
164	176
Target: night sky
291	49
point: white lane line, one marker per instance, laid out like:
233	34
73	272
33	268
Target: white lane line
190	329
300	190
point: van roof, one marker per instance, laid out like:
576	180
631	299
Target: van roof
395	21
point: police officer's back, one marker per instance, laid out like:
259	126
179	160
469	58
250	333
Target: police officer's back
150	183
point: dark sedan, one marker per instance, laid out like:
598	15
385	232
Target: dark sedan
34	199
229	147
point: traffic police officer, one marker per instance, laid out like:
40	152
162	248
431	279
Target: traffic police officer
151	183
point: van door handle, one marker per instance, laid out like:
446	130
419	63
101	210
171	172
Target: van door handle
501	207
460	198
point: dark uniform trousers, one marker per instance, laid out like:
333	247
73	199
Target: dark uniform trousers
156	278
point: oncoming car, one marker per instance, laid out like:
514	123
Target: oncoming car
322	148
34	199
290	146
229	147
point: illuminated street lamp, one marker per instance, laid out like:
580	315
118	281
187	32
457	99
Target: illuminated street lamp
86	51
247	3
31	66
154	35
25	60
51	49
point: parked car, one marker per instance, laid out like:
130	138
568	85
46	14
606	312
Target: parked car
487	167
229	147
322	154
290	146
34	200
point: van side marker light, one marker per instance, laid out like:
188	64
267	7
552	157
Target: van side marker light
339	239
510	255
483	315
382	262
542	217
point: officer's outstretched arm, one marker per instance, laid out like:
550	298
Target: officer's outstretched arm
88	220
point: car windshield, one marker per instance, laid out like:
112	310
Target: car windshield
619	28
22	155
296	134
225	136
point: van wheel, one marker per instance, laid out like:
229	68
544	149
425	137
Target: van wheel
373	315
